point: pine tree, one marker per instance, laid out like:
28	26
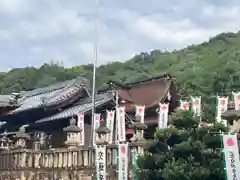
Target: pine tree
183	151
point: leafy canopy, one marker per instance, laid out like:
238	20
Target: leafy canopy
204	70
183	151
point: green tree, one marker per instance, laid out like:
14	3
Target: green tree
206	70
183	151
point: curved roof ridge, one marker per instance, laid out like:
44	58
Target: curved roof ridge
49	88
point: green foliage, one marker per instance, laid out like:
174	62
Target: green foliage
183	153
205	70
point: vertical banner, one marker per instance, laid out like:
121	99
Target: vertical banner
110	125
121	126
196	105
134	165
96	123
184	105
80	124
231	155
123	161
163	115
140	111
222	103
101	162
236	98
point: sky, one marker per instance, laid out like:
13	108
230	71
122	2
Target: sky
33	32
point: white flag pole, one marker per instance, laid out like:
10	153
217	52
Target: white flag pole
94	75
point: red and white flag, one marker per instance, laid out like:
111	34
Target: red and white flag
140	111
80	124
121	124
163	115
222	105
231	156
236	98
96	124
123	161
184	105
110	125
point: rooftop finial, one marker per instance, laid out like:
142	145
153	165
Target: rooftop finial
72	121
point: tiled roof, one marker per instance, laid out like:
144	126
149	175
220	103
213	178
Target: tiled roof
49	95
47	89
85	106
148	93
5	100
34	101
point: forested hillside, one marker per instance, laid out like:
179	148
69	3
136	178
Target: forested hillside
207	69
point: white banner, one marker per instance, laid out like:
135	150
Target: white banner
80	124
121	124
231	155
96	123
184	105
123	161
101	162
222	103
163	115
110	125
236	98
196	105
140	111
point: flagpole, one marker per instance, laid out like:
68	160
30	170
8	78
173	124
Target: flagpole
94	75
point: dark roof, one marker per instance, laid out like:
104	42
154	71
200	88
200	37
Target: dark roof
102	129
152	78
47	89
72	128
54	94
35	101
83	107
231	115
149	92
7	101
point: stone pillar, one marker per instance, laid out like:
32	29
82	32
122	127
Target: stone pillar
60	159
101	132
21	138
65	159
5	142
72	132
38	140
138	136
37	157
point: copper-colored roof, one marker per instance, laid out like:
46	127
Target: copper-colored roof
147	93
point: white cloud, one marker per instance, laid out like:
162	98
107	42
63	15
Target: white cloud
180	33
4	34
51	25
38	31
15	6
37	49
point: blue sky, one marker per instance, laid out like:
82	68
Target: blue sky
36	31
